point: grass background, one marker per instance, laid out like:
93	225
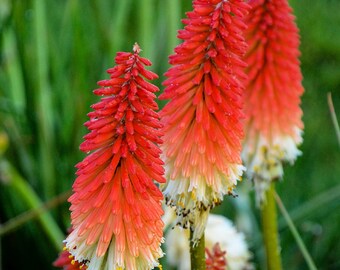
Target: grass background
52	53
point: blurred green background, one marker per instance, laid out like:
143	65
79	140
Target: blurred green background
52	53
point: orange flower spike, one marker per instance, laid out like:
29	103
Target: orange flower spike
203	119
116	206
272	97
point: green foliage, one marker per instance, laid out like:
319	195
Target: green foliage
52	53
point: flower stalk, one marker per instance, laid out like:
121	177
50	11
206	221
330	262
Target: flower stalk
270	230
197	253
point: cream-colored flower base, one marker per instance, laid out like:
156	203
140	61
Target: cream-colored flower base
193	198
113	259
264	160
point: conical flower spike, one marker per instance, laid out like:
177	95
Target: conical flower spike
203	119
116	206
272	97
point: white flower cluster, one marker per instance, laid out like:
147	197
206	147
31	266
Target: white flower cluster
219	230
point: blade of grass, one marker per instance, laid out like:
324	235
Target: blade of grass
333	115
310	207
165	37
19	145
159	43
160	47
117	28
20	220
43	102
82	48
14	119
21	189
295	233
60	54
14	72
100	25
174	23
146	26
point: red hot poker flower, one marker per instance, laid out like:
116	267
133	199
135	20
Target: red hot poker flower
202	121
215	259
272	97
116	206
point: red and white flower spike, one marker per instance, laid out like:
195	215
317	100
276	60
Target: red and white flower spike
272	97
203	119
116	206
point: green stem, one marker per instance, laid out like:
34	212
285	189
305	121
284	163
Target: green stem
197	254
270	230
295	233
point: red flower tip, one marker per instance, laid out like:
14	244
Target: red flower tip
215	259
116	206
203	119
